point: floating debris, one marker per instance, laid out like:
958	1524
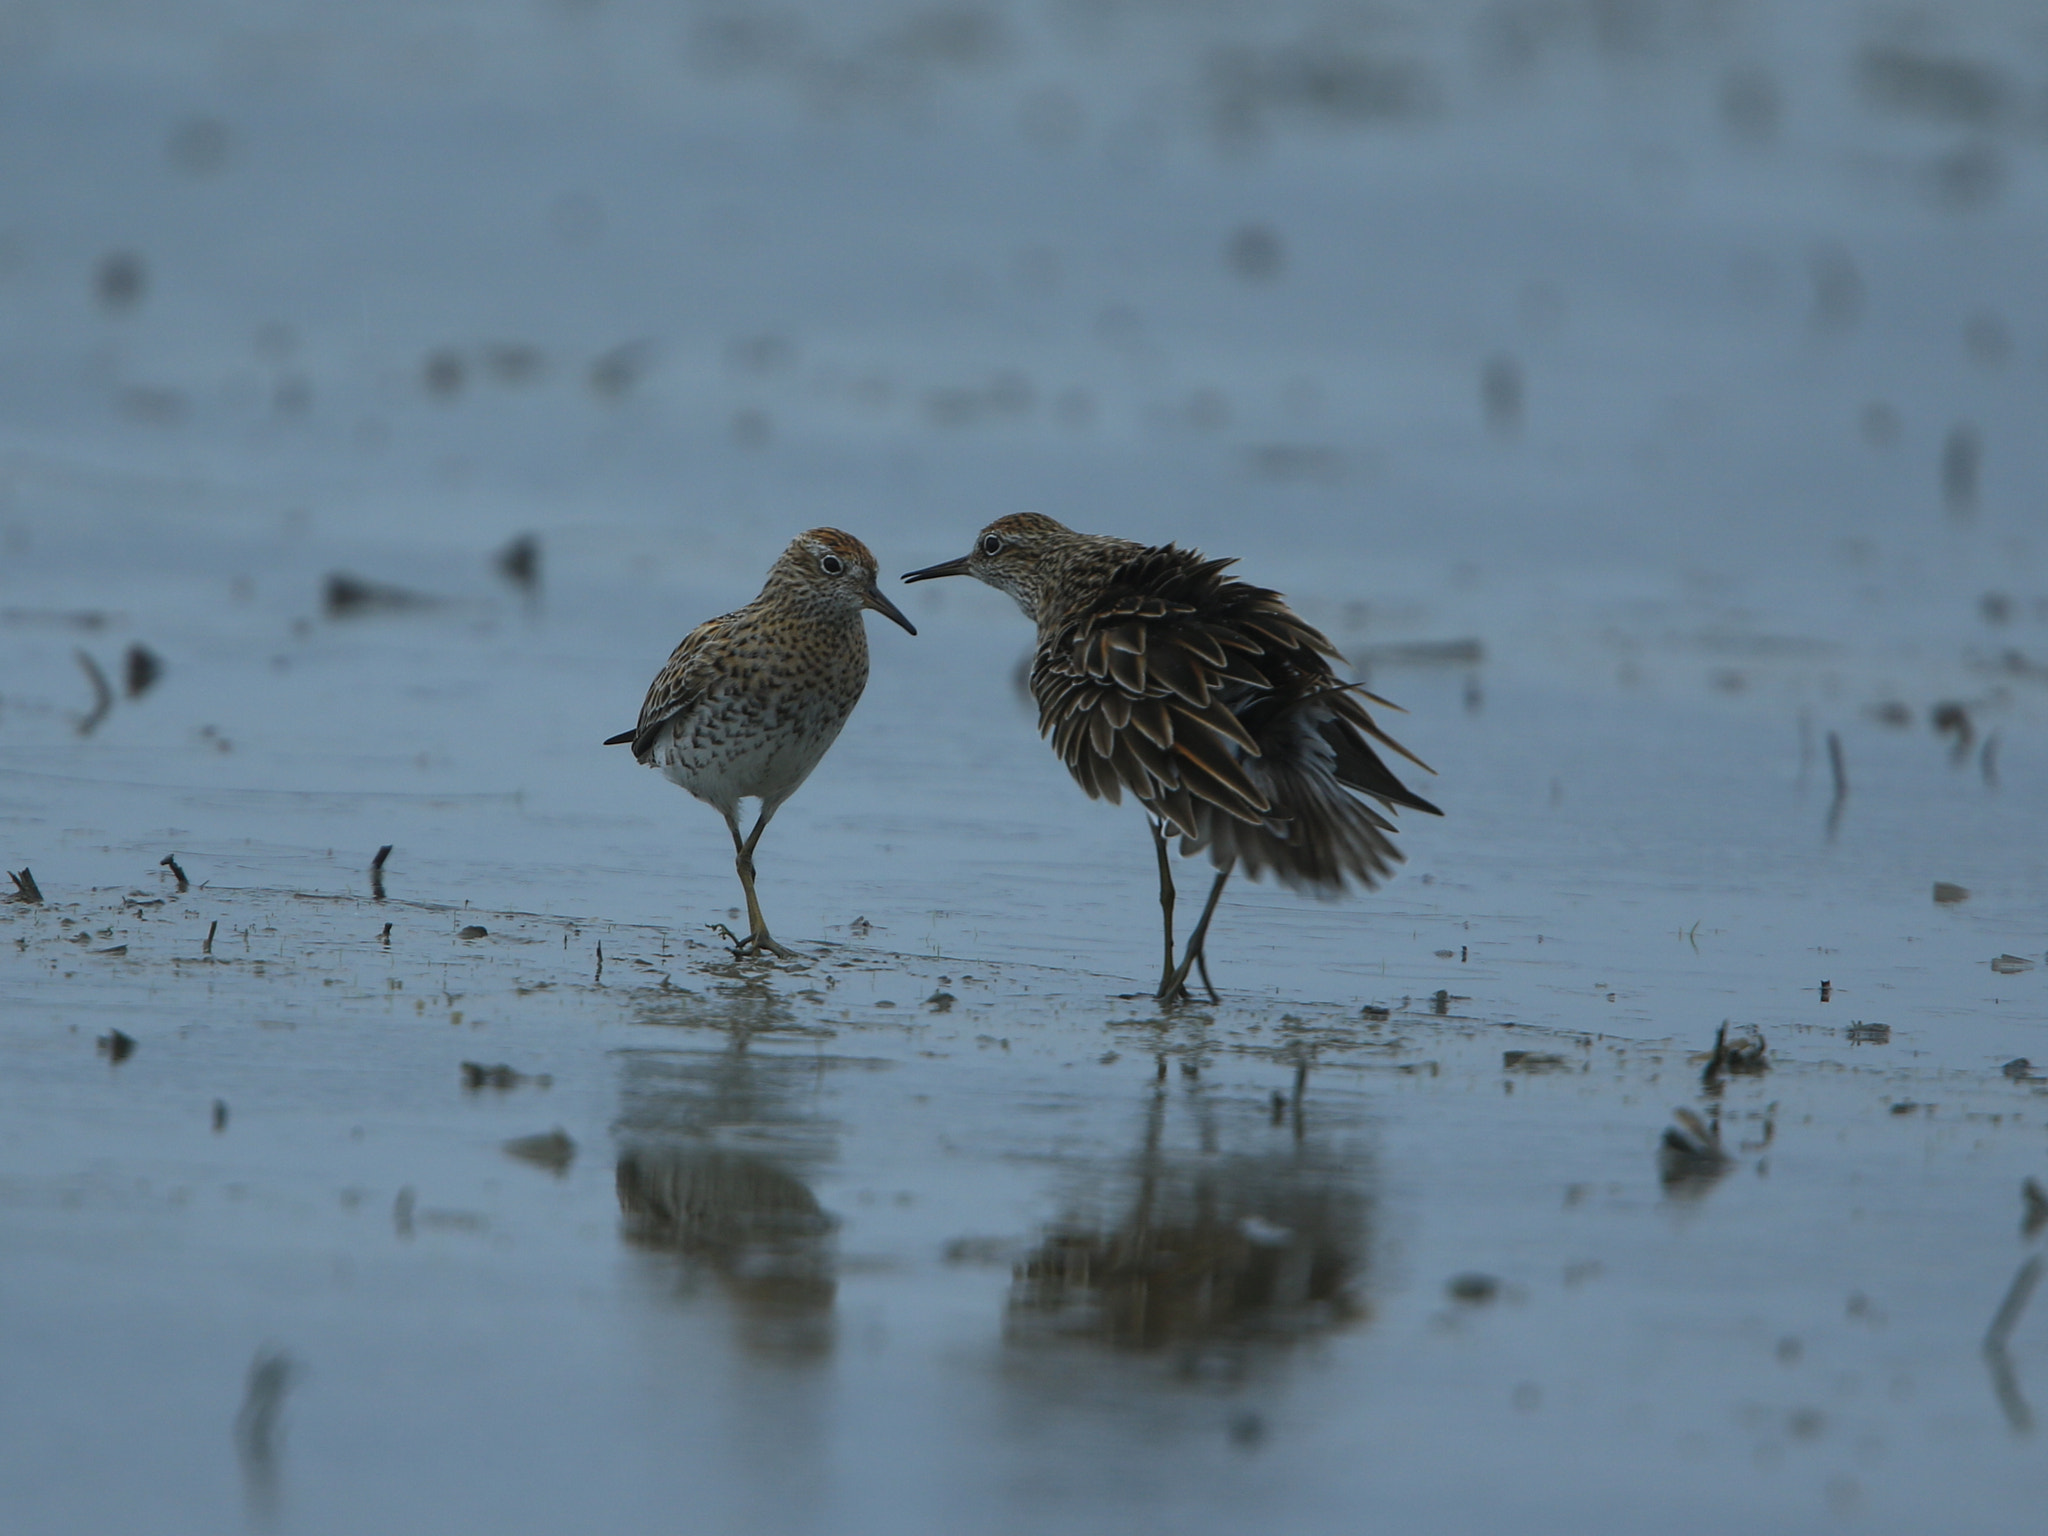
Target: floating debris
1472	1289
142	667
170	861
1860	1033
377	882
2019	1070
116	1046
552	1150
348	596
2011	965
941	1002
474	931
1952	719
25	887
1947	895
1375	1014
1534	1061
519	562
476	1076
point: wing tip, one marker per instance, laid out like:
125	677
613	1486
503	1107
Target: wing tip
624	738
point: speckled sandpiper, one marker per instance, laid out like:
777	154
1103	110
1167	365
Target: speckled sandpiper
750	701
1210	700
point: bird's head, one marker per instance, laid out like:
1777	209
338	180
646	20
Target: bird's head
1023	554
836	568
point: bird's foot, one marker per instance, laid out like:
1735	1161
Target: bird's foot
1173	985
760	944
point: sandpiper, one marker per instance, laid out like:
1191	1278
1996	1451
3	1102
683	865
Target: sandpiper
1210	700
750	701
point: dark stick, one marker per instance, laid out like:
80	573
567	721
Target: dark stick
211	929
25	887
1841	774
102	695
170	861
377	873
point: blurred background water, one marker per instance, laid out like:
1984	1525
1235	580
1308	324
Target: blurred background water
1646	393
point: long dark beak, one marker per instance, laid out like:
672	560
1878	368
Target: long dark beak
885	608
949	568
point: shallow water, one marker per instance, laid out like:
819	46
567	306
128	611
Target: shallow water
1528	327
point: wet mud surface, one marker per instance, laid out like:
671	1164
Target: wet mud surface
388	1141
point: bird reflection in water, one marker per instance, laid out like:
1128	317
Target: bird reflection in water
1257	1233
716	1151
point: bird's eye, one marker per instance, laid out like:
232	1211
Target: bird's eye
831	565
991	544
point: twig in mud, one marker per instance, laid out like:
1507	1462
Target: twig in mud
377	873
25	887
2016	1298
170	861
1827	990
102	695
211	929
384	938
1841	775
598	979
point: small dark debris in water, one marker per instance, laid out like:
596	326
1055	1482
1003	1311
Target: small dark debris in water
377	877
120	280
102	695
143	667
1500	392
1744	1054
348	595
1691	1157
384	938
377	863
211	929
1948	895
1279	1106
1533	1061
2034	1203
2011	965
860	927
519	562
220	1114
1255	253
113	949
2019	1070
1861	1033
1962	457
552	1150
1247	1430
1952	719
941	1002
1373	1013
476	1076
25	887
1906	1107
1441	1001
170	861
1446	954
1827	990
116	1046
1473	1290
257	1438
1892	713
614	373
443	373
474	931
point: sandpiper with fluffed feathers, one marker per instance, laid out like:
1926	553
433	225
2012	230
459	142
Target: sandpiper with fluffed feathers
1209	700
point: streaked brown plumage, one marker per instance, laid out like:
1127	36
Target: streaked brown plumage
749	702
1208	699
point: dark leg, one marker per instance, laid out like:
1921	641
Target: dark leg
1165	902
758	938
1176	984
